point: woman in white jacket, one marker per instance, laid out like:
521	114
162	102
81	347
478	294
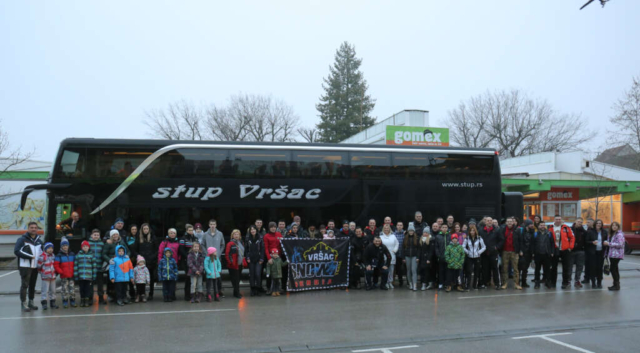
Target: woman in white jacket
391	242
473	247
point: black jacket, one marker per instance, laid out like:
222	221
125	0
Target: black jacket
580	235
148	250
349	233
377	256
254	248
543	242
357	249
517	238
493	240
526	241
426	253
589	237
420	227
410	250
440	244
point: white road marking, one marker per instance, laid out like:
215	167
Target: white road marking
538	293
6	274
384	350
175	312
546	338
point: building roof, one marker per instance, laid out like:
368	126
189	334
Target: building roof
623	156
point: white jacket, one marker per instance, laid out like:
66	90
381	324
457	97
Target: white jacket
474	249
391	242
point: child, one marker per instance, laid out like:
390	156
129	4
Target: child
274	270
85	270
64	267
454	255
212	268
142	278
195	262
48	275
120	274
95	246
168	274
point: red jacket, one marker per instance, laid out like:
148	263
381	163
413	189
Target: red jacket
64	264
567	239
231	252
272	240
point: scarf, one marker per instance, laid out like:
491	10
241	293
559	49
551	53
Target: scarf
240	251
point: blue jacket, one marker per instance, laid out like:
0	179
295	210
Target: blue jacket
120	267
212	268
168	268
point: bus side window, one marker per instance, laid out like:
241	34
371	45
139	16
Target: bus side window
261	164
320	165
372	165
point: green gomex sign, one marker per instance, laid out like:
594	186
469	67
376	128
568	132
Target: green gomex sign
417	136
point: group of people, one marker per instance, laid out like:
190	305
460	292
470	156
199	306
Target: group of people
446	255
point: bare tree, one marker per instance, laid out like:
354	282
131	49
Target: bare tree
11	157
180	121
627	118
510	122
310	135
599	171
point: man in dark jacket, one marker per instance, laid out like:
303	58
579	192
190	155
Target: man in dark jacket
345	231
494	241
511	252
420	225
527	232
371	231
543	248
591	238
441	242
357	244
578	253
377	259
27	249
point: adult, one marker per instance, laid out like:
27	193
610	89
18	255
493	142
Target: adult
420	225
441	245
563	244
147	247
119	226
410	255
601	236
387	221
109	252
371	231
272	241
352	227
258	226
435	229
440	221
543	252
377	260
578	252
331	225
425	258
314	233
282	229
511	252
185	244
27	249
255	259
235	254
527	233
213	238
345	231
537	221
450	221
294	232
494	242
391	242
473	247
357	244
614	251
73	225
297	220
401	266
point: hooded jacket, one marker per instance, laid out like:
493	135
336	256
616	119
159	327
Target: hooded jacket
171	243
84	266
426	251
615	250
64	264
377	256
28	250
454	255
212	268
46	267
213	240
120	267
148	250
526	241
542	242
274	270
167	267
195	263
254	251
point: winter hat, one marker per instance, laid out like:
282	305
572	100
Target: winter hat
455	236
85	243
64	242
272	224
47	246
140	259
118	220
528	222
113	232
198	225
274	251
211	251
472	221
411	227
345	222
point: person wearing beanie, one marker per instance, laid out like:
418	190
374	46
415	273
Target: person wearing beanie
141	278
119	226
120	274
109	252
271	241
527	232
274	271
64	267
168	273
410	255
48	276
454	256
95	247
212	268
85	271
198	232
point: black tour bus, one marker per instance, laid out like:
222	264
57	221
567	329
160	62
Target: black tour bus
171	183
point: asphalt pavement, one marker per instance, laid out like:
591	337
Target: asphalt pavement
399	320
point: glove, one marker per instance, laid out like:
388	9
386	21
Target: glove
267	276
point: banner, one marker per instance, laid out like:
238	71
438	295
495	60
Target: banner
417	136
317	264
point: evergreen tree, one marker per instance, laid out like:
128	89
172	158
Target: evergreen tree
345	106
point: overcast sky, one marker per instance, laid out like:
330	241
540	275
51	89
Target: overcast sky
90	69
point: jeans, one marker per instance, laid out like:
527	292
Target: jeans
85	289
28	278
391	273
510	258
48	289
370	277
235	281
473	268
212	286
542	262
412	270
490	268
275	284
577	259
196	284
121	290
255	274
68	289
615	271
169	289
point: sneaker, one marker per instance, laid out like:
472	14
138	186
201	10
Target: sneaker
25	308
440	286
52	304
73	304
126	301
564	286
120	303
391	286
578	284
482	286
415	288
44	304
424	286
537	286
430	286
193	299
518	287
504	286
65	304
208	298
144	299
137	299
448	289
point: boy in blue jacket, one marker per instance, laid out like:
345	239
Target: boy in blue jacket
121	273
168	275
